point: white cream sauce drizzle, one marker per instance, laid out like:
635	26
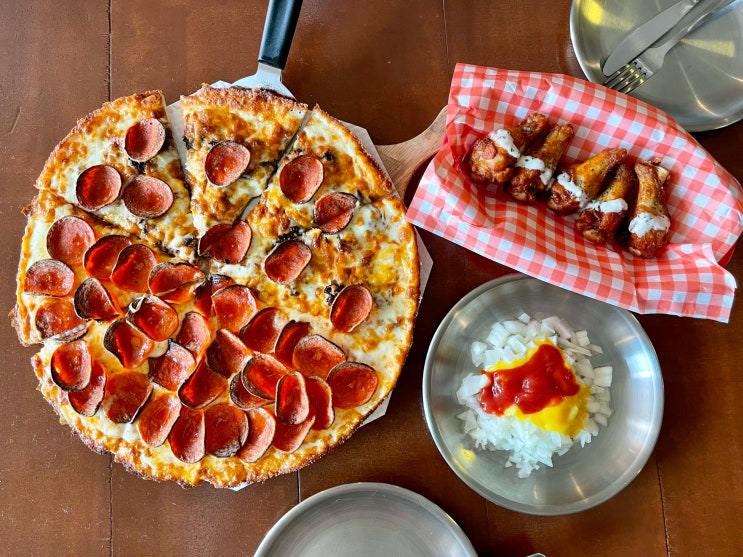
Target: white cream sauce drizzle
503	139
611	206
645	222
577	193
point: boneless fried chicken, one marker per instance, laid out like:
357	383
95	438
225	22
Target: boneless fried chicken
493	157
534	170
579	183
649	220
602	217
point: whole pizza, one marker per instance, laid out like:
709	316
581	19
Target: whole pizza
224	318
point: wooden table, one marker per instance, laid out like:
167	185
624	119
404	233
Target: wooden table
384	65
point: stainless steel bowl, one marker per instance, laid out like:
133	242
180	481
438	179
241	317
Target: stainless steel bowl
585	476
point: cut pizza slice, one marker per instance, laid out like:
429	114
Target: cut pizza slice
331	240
120	163
75	269
51	269
234	139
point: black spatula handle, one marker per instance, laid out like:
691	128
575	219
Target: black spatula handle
278	32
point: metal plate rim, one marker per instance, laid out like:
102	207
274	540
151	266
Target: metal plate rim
406	496
691	125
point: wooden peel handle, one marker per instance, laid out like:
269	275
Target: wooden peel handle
403	159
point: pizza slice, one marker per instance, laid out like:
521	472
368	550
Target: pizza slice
54	254
234	139
341	250
120	164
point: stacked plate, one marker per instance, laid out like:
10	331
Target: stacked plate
701	81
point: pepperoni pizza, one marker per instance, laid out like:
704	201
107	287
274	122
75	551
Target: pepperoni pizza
228	326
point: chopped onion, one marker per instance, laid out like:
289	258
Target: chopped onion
529	446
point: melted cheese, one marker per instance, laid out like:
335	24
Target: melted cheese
99	139
261	121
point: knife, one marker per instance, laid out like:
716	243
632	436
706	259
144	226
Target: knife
646	34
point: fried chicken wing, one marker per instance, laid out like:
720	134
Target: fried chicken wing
535	169
649	220
581	182
493	157
601	217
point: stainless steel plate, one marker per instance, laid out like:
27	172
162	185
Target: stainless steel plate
701	82
583	477
366	519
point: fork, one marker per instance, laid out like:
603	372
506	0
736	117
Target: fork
633	74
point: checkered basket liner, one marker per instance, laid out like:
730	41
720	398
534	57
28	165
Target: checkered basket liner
705	201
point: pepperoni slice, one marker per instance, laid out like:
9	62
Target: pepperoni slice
202	387
147	197
227	354
194	335
289	437
72	366
133	267
144	139
204	293
226	243
126	393
234	306
226	429
334	211
186	438
157	418
242	398
292	404
57	318
68	239
87	401
225	162
101	257
261	429
49	277
262	374
352	383
351	307
130	345
301	178
172	368
97	187
174	282
263	330
316	355
92	301
321	400
288	339
154	317
287	261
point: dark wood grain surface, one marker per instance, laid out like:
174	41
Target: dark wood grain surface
385	65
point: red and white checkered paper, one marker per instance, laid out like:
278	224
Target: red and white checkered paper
705	201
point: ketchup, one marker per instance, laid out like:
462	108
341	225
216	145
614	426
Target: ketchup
543	380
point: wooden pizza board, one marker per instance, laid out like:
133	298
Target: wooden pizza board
403	159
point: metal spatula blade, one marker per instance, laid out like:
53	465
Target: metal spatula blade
278	32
